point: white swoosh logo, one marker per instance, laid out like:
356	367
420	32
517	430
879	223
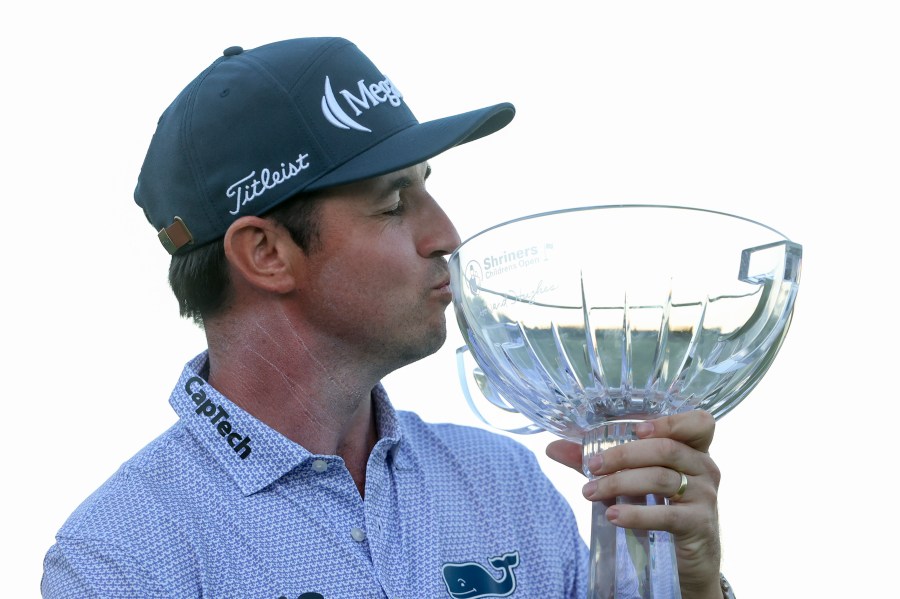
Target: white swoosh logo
335	114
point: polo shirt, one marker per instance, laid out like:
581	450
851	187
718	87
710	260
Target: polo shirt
221	505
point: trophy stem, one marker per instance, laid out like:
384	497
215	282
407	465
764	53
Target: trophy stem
627	563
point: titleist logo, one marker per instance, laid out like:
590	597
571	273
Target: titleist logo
251	187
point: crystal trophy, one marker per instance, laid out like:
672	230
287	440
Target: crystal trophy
587	321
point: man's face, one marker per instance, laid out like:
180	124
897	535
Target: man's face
376	281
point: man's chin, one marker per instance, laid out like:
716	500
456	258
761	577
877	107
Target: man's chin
426	347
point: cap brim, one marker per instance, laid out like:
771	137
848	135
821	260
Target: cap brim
418	143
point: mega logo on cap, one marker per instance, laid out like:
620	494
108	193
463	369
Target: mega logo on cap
370	96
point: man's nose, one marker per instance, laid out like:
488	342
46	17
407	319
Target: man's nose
440	237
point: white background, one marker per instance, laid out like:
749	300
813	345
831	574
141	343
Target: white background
781	111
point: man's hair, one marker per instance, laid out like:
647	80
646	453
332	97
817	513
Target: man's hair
200	278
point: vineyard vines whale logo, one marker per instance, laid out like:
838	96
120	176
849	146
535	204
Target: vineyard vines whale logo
471	581
370	96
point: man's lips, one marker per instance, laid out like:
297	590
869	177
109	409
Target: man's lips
442	288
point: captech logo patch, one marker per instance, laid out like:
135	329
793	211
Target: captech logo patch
218	417
370	96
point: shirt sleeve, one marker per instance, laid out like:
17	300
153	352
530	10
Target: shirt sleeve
83	569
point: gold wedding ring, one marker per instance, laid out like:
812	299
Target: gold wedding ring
681	488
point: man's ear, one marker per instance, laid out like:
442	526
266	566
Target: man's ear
262	253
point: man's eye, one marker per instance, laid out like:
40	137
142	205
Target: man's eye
397	208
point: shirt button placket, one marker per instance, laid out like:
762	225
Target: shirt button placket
358	534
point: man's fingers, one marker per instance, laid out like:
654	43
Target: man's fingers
565	452
671	441
650	453
694	429
655	480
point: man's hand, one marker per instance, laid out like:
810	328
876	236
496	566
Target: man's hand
665	448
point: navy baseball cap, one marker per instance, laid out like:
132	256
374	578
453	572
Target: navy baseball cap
259	126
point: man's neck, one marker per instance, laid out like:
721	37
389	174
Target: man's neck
313	399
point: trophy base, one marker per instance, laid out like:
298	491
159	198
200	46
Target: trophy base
627	563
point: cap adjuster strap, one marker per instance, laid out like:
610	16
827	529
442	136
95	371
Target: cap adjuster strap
175	236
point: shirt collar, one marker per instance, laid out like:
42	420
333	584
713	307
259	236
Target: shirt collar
389	430
249	451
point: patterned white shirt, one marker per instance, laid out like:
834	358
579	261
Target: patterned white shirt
221	505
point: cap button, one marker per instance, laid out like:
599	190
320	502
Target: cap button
232	51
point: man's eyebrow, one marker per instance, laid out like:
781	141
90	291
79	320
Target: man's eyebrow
395	185
401	182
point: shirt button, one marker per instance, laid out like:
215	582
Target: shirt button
358	534
320	466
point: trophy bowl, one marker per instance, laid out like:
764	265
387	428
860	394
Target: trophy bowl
586	321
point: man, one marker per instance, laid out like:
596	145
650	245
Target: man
289	184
